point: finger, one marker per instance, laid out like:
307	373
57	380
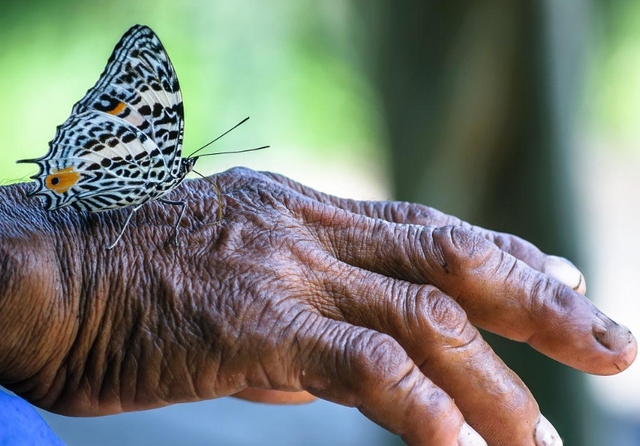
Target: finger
435	332
355	366
274	396
497	291
412	213
564	271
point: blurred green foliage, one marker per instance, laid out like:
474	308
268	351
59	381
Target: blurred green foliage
289	65
612	93
296	67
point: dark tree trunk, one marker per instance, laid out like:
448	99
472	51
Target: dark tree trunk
478	97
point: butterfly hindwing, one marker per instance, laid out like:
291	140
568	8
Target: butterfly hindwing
96	156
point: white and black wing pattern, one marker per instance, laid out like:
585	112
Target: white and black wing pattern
122	144
139	84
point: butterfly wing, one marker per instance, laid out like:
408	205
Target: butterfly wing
97	164
122	137
139	84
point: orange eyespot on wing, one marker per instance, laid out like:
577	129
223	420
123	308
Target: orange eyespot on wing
61	180
117	109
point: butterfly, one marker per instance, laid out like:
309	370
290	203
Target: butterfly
122	144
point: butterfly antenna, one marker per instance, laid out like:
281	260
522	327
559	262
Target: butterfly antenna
211	142
234	151
218	192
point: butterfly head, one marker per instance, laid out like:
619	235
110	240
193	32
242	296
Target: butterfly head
186	165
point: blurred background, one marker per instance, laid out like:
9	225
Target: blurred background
518	116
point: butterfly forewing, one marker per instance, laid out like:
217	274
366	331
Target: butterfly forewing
122	144
140	86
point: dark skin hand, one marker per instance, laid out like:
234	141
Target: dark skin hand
367	304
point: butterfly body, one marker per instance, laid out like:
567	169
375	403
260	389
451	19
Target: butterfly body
122	144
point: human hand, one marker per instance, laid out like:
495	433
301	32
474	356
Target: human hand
367	304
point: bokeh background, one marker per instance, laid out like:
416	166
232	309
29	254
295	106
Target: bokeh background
518	116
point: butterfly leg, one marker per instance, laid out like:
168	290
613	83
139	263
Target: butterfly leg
183	204
219	193
126	223
220	214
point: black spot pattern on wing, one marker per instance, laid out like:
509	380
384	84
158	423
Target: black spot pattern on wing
140	74
122	144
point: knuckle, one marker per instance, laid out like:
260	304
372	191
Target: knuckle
443	411
459	248
440	417
442	317
238	172
435	412
405	212
399	212
257	184
383	349
548	299
375	358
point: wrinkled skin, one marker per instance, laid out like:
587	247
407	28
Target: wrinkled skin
367	304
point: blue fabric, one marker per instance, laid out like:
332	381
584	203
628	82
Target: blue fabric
21	425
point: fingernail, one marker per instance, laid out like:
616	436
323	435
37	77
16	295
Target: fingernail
617	338
546	434
469	437
563	270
